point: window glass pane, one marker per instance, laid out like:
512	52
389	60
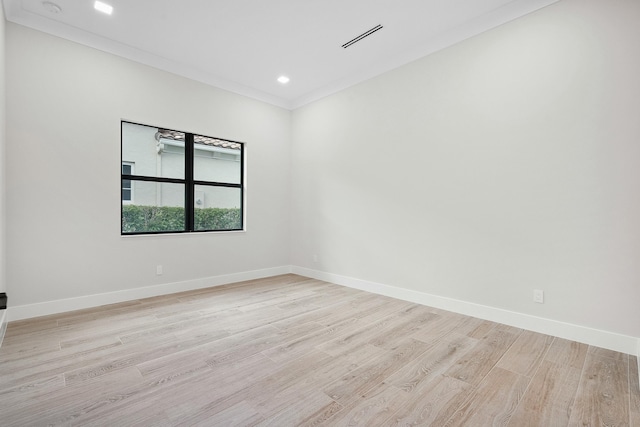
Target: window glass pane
126	190
216	160
157	207
154	151
126	169
217	208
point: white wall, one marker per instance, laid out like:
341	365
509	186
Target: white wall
63	200
3	282
507	163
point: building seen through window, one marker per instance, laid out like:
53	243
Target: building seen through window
176	181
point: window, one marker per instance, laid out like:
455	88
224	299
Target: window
127	190
182	182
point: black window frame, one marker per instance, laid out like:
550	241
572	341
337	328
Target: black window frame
188	181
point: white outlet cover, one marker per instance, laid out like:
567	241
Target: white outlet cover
538	296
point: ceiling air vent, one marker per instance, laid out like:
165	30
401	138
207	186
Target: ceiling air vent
361	36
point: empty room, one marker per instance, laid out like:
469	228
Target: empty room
303	212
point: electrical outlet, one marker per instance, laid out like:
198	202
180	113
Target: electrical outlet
158	270
315	257
538	296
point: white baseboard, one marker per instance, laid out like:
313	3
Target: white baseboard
595	337
3	324
599	338
63	305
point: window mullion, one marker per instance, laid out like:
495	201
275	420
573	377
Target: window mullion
242	187
188	175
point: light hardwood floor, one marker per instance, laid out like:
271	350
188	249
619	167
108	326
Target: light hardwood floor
289	350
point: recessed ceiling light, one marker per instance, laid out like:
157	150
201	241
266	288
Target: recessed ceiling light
51	7
284	79
103	7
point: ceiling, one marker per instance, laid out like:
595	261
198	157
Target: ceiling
245	45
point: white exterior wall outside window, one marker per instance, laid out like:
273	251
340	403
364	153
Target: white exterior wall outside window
165	158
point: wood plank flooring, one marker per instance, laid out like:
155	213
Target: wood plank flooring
288	351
